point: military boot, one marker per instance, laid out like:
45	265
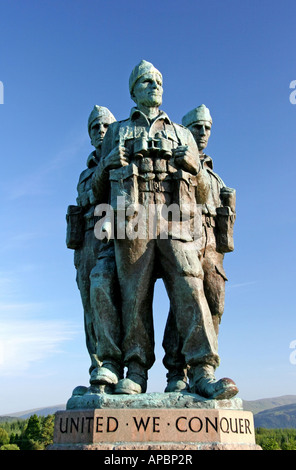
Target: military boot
176	381
135	381
108	374
203	383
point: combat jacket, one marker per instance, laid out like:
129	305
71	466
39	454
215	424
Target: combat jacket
214	199
85	198
152	176
80	218
150	144
218	211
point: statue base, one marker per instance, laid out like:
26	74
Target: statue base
154	422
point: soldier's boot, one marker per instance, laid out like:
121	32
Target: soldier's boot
204	383
135	381
108	374
176	381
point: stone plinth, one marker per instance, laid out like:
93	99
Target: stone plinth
92	400
174	421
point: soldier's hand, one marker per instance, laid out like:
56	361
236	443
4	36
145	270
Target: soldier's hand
117	158
185	160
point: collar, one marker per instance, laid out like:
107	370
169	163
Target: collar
136	114
205	159
92	160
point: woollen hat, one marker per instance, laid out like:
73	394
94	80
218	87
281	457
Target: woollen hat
139	70
201	113
97	113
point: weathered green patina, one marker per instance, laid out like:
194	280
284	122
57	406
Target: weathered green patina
150	161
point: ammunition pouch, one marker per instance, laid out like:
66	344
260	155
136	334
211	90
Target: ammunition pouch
75	227
154	185
184	192
228	197
152	155
224	229
124	184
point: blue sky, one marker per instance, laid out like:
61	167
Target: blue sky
58	59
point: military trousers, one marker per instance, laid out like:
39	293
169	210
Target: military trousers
84	260
214	289
214	274
137	260
105	305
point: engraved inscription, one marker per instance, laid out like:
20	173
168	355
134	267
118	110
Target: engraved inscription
155	425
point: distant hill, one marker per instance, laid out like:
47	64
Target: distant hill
277	412
256	406
50	410
280	417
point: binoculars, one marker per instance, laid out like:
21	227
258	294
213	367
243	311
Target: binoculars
143	147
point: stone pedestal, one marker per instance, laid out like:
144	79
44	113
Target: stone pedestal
157	422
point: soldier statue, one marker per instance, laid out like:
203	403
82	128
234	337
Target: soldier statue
81	237
149	160
218	216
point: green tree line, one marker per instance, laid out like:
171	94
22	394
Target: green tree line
36	433
276	439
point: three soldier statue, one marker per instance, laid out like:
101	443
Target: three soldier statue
144	171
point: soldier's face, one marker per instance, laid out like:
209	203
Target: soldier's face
201	131
148	90
98	131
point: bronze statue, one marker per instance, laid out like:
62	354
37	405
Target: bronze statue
81	237
218	216
147	160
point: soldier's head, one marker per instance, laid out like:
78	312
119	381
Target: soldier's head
199	122
145	85
98	122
